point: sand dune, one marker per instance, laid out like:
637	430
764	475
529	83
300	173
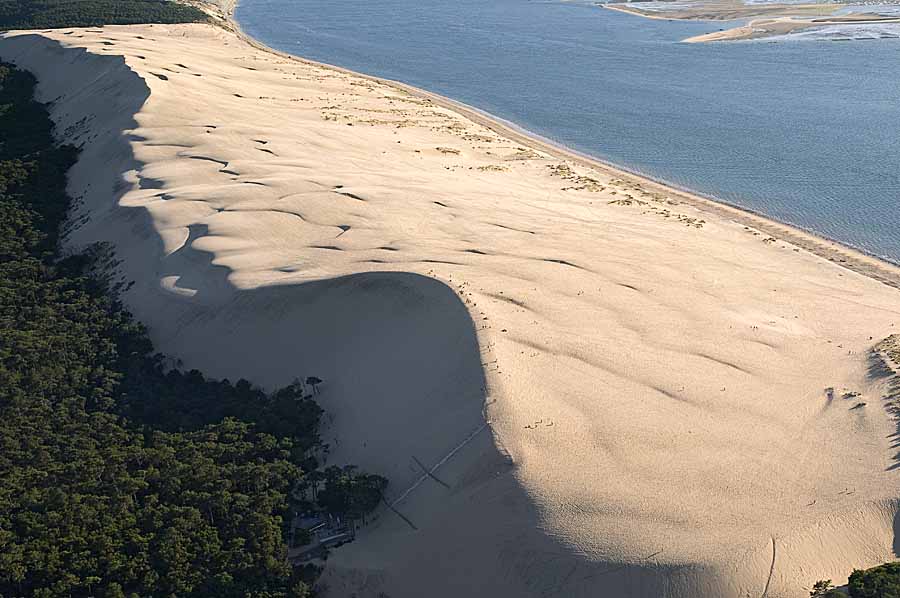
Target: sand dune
622	387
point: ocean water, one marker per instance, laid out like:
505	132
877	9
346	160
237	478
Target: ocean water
807	132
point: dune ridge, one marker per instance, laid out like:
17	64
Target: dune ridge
625	389
873	266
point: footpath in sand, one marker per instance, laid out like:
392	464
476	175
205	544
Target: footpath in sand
622	393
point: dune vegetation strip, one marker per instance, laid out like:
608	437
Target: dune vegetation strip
45	14
120	475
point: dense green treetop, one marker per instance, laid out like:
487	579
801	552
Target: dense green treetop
118	476
878	582
46	14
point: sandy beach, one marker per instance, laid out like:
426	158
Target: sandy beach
764	28
720	10
623	389
768	19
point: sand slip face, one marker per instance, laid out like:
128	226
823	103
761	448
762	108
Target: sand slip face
623	396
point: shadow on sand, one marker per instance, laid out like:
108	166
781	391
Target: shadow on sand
402	365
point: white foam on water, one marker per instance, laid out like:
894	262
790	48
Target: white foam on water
758	2
660	5
842	32
878	9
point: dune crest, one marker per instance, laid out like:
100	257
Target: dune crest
621	393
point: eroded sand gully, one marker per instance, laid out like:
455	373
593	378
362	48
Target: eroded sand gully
652	375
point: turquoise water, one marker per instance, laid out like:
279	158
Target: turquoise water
805	132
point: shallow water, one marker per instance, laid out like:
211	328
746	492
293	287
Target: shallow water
808	133
855	32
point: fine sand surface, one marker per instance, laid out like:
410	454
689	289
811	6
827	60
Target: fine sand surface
621	389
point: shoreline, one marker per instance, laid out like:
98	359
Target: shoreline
758	24
842	254
634	13
778	27
632	368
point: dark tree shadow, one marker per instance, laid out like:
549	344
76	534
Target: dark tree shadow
399	357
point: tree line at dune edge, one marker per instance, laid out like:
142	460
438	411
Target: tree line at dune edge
47	14
120	476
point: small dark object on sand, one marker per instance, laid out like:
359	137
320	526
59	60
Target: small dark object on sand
314	382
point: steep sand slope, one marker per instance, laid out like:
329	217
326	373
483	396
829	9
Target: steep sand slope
625	394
